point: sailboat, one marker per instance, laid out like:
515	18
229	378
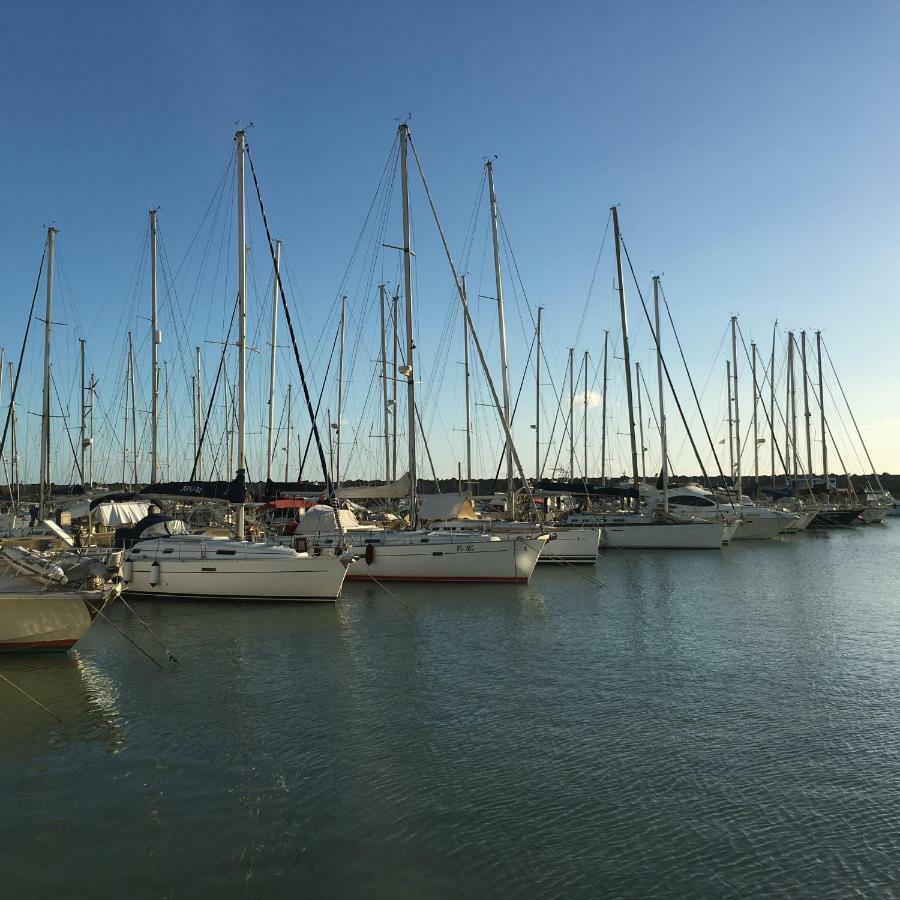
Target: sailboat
217	568
658	529
421	554
48	601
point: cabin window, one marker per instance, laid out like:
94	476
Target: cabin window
691	500
225	552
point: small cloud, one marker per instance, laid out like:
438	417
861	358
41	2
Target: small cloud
593	399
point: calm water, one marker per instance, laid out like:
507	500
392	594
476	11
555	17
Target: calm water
706	724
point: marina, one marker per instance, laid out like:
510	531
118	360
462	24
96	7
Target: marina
552	735
450	451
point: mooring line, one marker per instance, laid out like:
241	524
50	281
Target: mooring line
103	615
577	571
382	586
169	653
25	693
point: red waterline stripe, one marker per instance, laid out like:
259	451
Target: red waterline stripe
458	579
37	645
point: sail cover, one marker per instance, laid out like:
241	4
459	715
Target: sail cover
393	489
446	506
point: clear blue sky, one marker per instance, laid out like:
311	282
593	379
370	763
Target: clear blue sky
752	148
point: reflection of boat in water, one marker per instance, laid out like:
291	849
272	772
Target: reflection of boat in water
77	690
49	601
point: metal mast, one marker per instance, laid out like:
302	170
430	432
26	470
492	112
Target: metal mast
822	410
603	420
395	301
772	401
468	396
625	351
537	397
340	393
155	338
586	474
664	471
737	411
287	443
240	141
270	452
730	421
198	454
637	369
384	384
571	412
81	430
14	446
806	412
45	413
787	410
134	448
796	454
410	343
755	420
504	365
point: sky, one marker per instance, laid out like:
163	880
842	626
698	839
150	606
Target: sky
750	149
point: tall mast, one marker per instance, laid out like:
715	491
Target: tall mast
640	415
199	388
45	414
134	448
92	395
730	420
410	343
382	298
125	413
468	396
13	446
270	452
340	396
155	339
586	473
287	443
664	471
822	409
603	419
537	396
240	140
806	412
755	421
395	302
796	453
166	404
625	351
772	402
737	411
571	412
504	365
81	431
787	410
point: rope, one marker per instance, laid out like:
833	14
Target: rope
169	653
24	693
329	486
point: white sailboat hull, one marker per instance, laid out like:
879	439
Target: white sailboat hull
509	560
874	514
665	536
439	557
44	621
757	528
218	570
566	544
